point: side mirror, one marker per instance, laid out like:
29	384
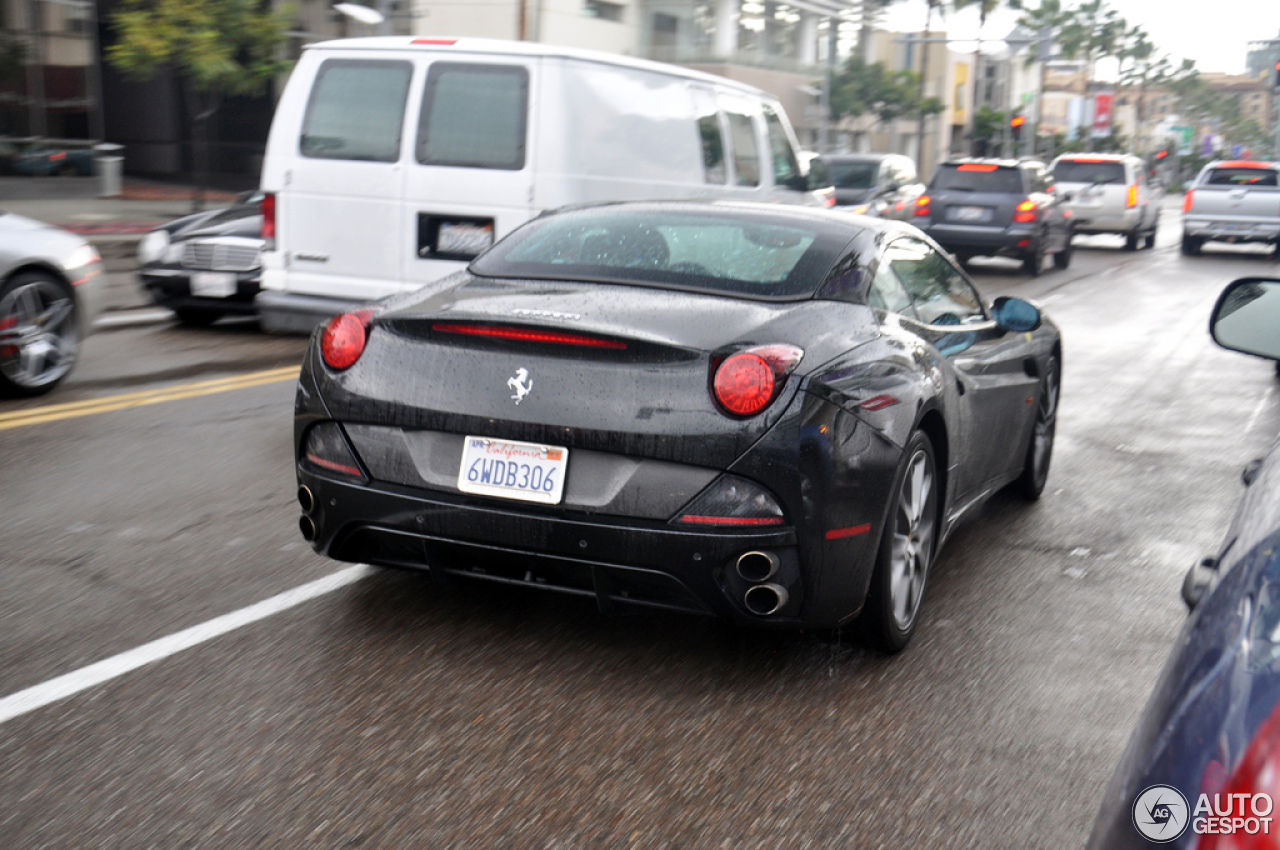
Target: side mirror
1014	314
1247	317
1198	581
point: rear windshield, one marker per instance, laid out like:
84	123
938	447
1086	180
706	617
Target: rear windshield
743	256
1241	177
977	178
853	175
356	110
1081	171
473	116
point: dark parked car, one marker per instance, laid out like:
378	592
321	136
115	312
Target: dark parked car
1211	728
771	414
207	265
38	159
997	208
876	184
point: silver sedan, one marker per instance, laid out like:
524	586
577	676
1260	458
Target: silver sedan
51	284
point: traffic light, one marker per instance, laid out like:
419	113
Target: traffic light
1015	125
1162	154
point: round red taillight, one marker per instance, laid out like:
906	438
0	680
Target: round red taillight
744	384
343	341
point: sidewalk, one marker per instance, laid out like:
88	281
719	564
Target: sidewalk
113	225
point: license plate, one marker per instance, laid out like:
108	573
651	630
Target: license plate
969	213
529	471
213	284
464	238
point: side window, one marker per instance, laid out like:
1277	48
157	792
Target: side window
785	167
746	156
887	292
713	165
474	116
940	293
356	110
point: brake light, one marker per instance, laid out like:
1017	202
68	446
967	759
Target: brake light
1132	199
747	381
344	339
1250	792
922	205
976	166
526	335
1027	211
1189	200
269	216
438	42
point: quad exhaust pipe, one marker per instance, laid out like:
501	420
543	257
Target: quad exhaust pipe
757	566
306	499
307	527
765	599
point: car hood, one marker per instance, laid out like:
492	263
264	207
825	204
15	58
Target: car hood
240	220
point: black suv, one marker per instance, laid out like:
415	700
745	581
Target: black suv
997	208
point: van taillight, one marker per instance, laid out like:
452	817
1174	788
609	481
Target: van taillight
1132	200
269	216
1189	200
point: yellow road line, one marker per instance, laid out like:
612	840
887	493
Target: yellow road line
72	410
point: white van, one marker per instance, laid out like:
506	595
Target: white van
393	161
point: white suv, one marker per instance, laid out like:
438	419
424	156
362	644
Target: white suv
1110	193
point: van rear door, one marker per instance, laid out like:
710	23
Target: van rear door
469	176
340	211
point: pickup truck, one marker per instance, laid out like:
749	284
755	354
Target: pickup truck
1233	201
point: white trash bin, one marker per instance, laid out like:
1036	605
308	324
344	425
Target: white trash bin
109	165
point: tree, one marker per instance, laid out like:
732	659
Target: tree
216	47
861	89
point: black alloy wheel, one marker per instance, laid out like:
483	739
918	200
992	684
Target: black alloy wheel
907	547
1035	470
39	333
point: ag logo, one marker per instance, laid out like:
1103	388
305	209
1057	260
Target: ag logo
1160	813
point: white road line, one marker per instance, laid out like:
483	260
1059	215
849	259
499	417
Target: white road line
110	668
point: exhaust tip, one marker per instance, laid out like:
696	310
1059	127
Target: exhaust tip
308	528
306	499
765	599
757	566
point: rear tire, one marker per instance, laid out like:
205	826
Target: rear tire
1191	245
1150	240
1131	240
907	546
1062	259
1033	262
197	318
1035	469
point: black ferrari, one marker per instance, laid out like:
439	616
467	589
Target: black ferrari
771	414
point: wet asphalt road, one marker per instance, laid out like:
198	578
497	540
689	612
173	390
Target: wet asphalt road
390	713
